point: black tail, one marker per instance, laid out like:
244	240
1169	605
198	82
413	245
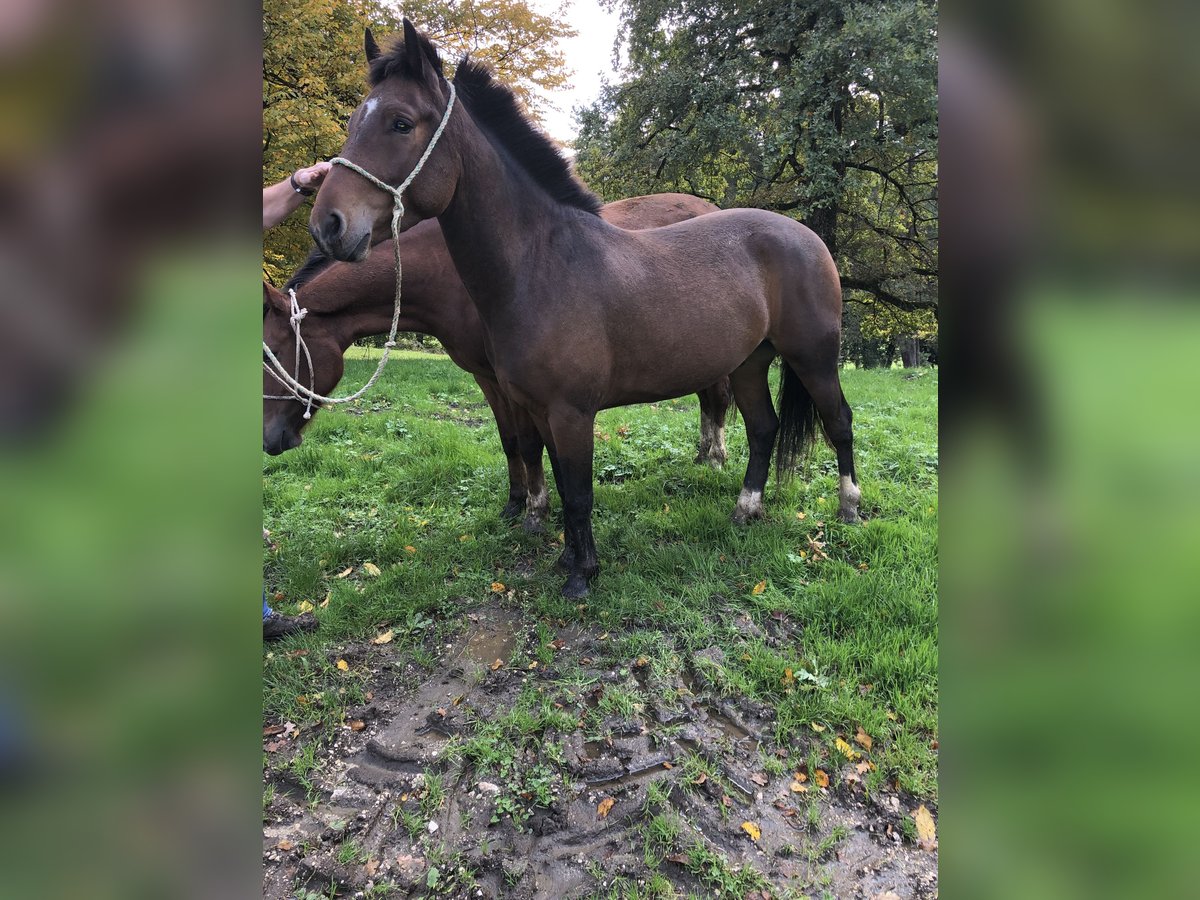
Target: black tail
797	423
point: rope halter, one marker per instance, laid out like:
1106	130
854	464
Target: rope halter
291	383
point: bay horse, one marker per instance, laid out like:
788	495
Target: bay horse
580	315
348	301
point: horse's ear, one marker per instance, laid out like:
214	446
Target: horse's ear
421	58
414	58
274	298
372	48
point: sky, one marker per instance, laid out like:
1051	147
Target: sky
589	54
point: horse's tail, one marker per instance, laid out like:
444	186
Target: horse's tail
797	423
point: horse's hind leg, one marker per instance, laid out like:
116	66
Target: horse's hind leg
714	404
753	395
826	391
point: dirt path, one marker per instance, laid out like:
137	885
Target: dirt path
646	783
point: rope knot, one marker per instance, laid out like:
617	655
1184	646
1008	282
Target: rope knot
389	344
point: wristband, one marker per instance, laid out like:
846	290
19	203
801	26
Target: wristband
302	191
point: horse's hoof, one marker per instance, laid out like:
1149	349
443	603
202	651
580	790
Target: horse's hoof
749	506
575	588
534	525
512	510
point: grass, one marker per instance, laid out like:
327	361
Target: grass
412	481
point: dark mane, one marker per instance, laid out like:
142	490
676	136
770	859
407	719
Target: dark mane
316	262
496	108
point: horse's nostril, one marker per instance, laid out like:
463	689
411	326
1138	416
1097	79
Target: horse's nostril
334	225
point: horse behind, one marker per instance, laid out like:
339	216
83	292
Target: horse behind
345	302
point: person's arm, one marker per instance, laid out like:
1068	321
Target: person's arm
282	199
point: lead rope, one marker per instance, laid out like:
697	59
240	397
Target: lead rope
296	390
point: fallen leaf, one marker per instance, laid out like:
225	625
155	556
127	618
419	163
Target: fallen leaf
324	603
800	776
677	858
371	569
464	537
371	867
346	571
816	726
497	664
285	845
667	765
933	745
822	778
274	745
759	778
497	587
926	830
557	644
891	715
753	830
534	664
725	801
269	730
357	724
304	607
343	665
801	516
788	678
863	739
864	767
846	750
798	788
605	805
409	548
701	778
788	812
385	638
759	588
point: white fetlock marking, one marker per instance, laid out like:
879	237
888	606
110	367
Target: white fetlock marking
849	493
749	503
537	502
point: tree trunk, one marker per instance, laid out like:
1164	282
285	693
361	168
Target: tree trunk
910	352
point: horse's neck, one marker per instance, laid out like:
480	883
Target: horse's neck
363	300
497	216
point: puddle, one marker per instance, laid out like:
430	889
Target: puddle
491	636
736	733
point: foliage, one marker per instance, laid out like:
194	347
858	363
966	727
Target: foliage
821	109
314	76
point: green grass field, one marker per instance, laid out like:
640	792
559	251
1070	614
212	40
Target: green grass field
412	481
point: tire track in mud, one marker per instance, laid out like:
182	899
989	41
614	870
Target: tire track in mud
677	758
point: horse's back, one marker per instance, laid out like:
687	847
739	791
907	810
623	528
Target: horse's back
655	210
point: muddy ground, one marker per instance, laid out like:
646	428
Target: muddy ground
679	792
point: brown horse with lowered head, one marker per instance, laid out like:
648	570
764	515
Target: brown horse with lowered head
346	301
580	315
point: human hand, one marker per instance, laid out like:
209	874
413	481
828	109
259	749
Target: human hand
312	176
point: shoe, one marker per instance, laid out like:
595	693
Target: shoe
276	626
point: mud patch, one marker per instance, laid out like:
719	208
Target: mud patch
529	767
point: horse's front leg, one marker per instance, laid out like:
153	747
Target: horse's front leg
507	425
573	433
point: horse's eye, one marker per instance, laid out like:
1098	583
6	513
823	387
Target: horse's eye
402	126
